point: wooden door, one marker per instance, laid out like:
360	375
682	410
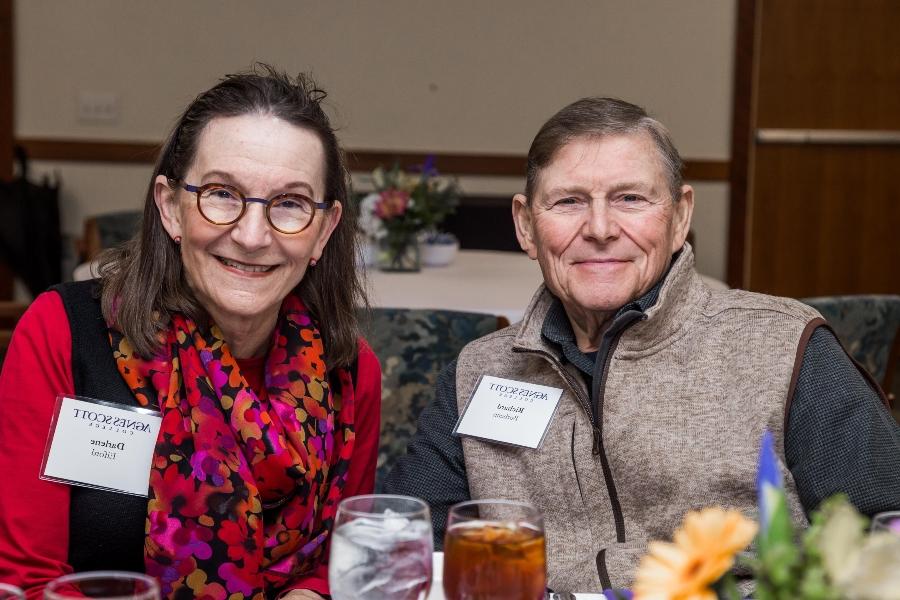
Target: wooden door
822	188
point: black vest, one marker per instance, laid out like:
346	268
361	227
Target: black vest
106	529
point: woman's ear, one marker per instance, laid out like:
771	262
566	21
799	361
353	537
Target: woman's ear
332	218
166	200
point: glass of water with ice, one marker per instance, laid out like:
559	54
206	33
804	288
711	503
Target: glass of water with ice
381	549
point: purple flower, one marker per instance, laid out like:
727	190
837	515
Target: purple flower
428	167
768	480
894	525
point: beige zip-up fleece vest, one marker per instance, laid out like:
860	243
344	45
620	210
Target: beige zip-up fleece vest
687	396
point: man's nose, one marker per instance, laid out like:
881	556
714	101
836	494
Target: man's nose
601	222
252	231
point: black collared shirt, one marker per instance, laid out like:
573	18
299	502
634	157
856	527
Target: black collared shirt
557	329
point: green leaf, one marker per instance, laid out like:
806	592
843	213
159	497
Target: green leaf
726	588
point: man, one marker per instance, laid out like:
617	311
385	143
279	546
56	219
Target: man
666	386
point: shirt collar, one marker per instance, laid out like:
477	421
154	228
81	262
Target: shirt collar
557	329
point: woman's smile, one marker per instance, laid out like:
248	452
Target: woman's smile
245	267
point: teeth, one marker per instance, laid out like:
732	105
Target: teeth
243	267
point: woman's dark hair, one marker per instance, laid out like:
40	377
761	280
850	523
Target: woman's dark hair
143	281
601	117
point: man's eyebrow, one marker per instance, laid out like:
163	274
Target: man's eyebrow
216	176
563	190
640	186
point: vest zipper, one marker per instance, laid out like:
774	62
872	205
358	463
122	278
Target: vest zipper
607	348
604	358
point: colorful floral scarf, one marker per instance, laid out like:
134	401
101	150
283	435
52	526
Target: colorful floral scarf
243	492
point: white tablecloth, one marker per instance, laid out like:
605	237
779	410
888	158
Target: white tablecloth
498	283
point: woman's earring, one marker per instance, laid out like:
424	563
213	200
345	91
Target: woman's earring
177	240
313	262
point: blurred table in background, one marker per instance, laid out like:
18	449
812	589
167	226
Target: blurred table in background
484	281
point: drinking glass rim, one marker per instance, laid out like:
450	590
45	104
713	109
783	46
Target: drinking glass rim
887	514
501	501
887	519
153	584
423	510
8	587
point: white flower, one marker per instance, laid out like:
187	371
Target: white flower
862	567
369	223
877	572
378	178
840	540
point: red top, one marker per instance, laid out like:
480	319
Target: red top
34	514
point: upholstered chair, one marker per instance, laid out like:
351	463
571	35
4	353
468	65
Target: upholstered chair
867	325
414	345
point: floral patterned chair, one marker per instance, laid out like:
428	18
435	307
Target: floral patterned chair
868	326
414	345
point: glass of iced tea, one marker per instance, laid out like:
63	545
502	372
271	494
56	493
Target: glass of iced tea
494	549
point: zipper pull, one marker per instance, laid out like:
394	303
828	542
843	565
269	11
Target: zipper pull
596	450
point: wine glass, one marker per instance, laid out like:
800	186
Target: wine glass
111	585
887	521
10	592
494	549
381	549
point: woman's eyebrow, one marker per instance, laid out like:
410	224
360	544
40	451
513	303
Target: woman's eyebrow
217	176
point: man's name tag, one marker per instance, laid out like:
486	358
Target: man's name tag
101	445
509	411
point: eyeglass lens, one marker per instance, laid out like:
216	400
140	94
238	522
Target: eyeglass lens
289	213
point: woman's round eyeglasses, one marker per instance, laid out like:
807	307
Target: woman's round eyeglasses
223	204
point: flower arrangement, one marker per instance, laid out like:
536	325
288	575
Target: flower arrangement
406	205
701	554
834	559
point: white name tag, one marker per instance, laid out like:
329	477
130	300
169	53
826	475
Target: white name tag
101	445
509	411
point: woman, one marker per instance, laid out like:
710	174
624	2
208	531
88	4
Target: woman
232	312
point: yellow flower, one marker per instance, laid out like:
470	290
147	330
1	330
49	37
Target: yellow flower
702	551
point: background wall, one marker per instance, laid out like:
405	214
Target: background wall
404	75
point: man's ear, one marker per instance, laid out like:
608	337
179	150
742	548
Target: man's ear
524	222
167	205
681	219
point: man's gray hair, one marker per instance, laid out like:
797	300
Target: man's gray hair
600	117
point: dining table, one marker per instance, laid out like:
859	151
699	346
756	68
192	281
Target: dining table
482	281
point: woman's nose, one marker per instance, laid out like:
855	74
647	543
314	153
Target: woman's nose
252	231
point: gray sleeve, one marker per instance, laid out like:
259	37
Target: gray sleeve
433	468
840	437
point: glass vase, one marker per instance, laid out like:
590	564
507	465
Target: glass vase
399	253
